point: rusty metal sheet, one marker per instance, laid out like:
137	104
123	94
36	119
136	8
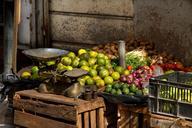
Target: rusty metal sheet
109	7
88	30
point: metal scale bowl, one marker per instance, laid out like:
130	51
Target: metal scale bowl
58	83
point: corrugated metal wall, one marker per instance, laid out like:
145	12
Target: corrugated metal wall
84	23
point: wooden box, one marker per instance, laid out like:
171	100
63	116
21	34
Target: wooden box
33	110
133	116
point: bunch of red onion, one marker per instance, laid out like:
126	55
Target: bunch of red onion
139	77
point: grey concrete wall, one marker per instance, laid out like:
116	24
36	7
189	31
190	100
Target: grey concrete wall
84	23
168	23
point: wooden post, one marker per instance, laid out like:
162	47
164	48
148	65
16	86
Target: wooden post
8	37
122	53
17	8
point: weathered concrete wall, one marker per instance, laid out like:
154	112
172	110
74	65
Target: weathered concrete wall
168	23
83	23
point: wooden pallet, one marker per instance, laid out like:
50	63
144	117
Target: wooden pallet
33	110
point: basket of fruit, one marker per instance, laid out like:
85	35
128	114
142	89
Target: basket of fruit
171	94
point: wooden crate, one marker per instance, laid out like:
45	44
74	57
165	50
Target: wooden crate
33	110
160	121
133	117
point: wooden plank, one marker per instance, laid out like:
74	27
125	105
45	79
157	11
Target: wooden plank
89	30
101	118
79	120
49	97
91	105
93	119
32	121
86	119
101	7
57	111
33	24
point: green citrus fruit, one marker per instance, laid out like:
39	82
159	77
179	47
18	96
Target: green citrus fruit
75	63
96	78
114	92
92	61
69	68
86	68
84	56
50	63
103	73
90	81
119	69
34	69
108	80
100	55
92	72
81	51
71	55
101	61
115	75
83	63
95	66
99	68
108	66
126	72
100	83
66	60
81	81
93	54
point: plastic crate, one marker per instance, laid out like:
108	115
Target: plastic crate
171	94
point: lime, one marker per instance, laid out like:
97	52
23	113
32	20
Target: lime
92	61
106	57
108	66
99	68
107	61
81	51
86	68
115	75
119	69
93	54
126	72
116	86
100	83
96	78
139	92
133	88
95	66
84	56
125	91
90	81
26	75
35	76
100	55
34	69
69	68
92	72
108	80
86	77
71	55
50	63
110	85
75	63
101	61
124	86
83	63
119	92
108	89
61	67
66	60
103	73
114	92
81	81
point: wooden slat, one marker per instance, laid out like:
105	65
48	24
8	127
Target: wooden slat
89	30
33	24
91	105
32	121
93	119
109	7
86	120
57	111
79	120
46	23
50	97
101	118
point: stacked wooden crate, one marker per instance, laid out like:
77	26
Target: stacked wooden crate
33	109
